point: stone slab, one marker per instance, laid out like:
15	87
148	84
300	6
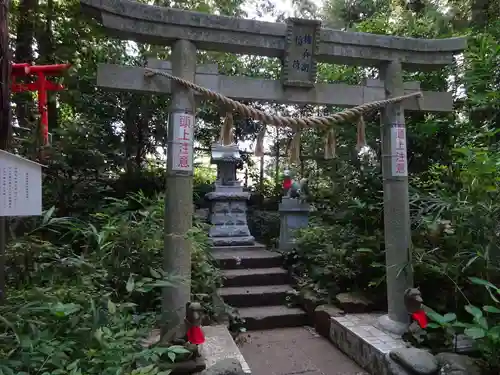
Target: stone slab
160	25
274	316
358	336
241	257
131	78
255	276
292	204
219	345
248	250
259	295
232	241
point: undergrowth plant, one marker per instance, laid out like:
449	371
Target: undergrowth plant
83	294
482	325
329	259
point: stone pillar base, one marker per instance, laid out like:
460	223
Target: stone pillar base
391	326
228	216
293	215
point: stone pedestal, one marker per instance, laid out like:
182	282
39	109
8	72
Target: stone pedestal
293	215
228	211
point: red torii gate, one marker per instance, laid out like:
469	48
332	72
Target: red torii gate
41	85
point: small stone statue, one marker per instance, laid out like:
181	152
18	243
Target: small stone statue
304	189
414	305
294	189
194	333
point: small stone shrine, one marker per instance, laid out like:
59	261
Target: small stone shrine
228	211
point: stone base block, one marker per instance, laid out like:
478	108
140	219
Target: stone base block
229	231
232	241
358	337
219	345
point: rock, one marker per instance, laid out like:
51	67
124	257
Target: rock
463	344
322	318
192	366
309	302
457	364
153	338
228	366
354	303
417	361
394	368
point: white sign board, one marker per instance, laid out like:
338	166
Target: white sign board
399	162
182	153
20	186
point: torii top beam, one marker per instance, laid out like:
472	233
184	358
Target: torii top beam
127	19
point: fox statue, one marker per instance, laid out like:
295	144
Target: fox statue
295	189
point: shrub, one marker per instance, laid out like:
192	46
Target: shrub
83	294
481	324
332	259
265	226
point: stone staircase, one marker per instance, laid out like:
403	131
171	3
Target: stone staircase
257	286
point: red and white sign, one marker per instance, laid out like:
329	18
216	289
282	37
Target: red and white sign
399	161
182	153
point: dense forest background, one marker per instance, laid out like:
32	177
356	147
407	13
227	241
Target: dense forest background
83	280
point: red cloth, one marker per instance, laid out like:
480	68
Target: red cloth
420	317
287	183
195	335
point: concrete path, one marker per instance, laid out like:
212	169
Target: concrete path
288	351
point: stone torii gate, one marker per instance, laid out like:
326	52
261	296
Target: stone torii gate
300	44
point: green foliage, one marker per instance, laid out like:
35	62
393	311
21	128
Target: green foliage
482	326
85	279
86	293
330	259
265	226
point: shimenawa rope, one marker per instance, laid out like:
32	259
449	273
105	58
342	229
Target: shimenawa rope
296	124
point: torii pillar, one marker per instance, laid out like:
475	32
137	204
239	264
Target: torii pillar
397	228
179	186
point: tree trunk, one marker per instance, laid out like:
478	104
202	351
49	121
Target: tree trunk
45	39
480	14
24	54
5	124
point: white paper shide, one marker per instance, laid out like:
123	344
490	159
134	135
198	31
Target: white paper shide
182	155
20	186
399	163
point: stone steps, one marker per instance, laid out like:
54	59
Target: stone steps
255	276
257	286
262	295
231	249
243	257
269	317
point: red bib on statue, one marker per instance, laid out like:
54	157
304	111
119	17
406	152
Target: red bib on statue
195	335
287	183
420	317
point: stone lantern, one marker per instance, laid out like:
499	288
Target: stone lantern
228	209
